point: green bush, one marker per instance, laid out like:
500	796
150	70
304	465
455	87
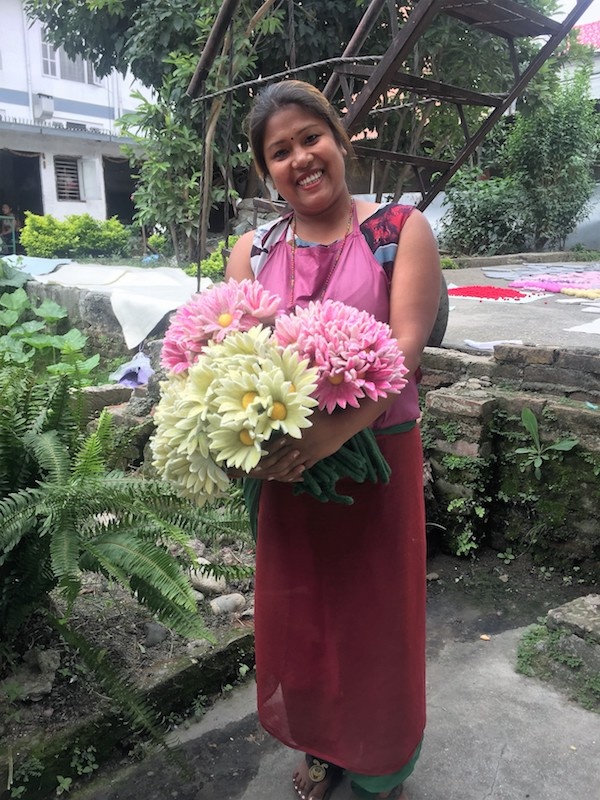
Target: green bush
159	243
212	266
551	153
448	263
78	235
485	217
45	237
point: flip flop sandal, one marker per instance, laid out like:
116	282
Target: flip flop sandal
319	771
365	795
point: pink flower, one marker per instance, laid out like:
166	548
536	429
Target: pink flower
213	314
356	355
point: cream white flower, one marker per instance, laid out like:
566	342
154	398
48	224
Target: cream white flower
238	447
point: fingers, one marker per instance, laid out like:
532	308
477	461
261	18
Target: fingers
282	463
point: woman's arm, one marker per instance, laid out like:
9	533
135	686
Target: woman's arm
238	264
415	290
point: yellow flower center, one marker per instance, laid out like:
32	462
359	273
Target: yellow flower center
224	319
248	398
335	379
245	438
279	411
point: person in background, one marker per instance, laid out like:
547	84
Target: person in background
340	590
9	228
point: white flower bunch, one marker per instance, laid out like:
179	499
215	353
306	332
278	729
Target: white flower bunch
218	414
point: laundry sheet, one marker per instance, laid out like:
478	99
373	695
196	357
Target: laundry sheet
34	265
491	344
140	298
587	327
511	273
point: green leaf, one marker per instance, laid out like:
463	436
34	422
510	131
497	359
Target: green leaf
8	318
530	424
564	445
50	311
15	301
72	342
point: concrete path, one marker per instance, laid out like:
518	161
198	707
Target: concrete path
544	321
492	734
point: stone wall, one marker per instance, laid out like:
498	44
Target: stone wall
481	487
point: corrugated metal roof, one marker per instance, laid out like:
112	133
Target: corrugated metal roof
589	33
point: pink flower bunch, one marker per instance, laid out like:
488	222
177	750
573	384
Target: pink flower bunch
213	314
355	354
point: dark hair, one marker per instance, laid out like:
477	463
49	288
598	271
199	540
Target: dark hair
277	96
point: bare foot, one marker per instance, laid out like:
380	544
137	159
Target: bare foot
309	789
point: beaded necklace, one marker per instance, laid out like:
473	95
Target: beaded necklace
331	269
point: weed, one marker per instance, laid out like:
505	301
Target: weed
536	453
18	778
64	784
84	761
507	556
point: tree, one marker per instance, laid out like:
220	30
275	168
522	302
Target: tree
551	153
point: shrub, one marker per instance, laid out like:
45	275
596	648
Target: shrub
551	152
212	266
45	236
77	235
158	243
485	217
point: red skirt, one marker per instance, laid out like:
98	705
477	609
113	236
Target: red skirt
340	617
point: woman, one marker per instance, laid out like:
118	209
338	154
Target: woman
9	227
340	590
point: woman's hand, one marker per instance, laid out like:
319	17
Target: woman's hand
280	464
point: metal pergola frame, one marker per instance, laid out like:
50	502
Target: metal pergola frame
364	79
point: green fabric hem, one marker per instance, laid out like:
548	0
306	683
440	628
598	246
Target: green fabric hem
369	786
403	427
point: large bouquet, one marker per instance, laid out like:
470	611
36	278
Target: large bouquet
239	374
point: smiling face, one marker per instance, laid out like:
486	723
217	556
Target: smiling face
304	160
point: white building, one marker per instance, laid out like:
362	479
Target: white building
60	152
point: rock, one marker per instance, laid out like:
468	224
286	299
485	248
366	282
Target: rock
36	677
196	647
432	576
108	394
228	603
581	617
205	582
155	634
197	546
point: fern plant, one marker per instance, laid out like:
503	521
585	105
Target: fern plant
64	512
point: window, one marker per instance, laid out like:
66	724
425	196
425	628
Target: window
69	69
66	171
48	58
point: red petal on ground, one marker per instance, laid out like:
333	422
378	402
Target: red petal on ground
487	292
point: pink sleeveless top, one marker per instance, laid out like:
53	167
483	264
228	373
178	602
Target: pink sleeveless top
358	279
